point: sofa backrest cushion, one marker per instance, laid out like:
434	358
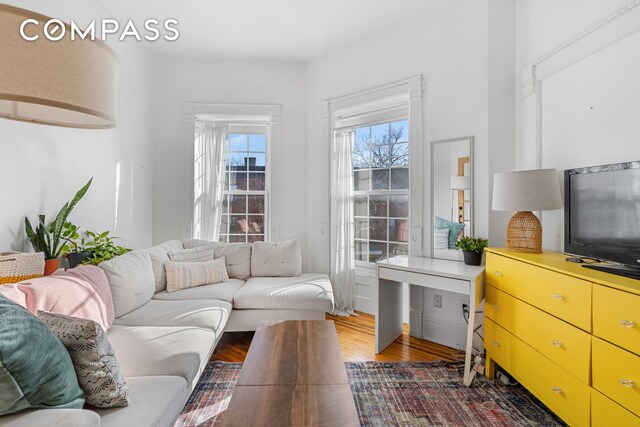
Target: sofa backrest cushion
79	292
276	259
199	254
159	256
36	370
237	256
131	280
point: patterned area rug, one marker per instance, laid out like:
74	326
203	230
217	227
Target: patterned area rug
394	394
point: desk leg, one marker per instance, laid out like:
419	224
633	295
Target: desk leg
388	313
468	373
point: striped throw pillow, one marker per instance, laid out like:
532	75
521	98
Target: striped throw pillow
183	275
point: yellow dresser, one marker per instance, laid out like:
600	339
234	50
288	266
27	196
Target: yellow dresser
570	335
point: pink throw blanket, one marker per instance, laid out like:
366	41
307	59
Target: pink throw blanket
80	292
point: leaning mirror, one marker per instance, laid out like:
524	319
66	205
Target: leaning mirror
451	195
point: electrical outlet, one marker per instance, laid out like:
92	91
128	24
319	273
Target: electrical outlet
437	301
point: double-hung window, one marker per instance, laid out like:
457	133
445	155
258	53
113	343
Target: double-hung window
246	189
381	190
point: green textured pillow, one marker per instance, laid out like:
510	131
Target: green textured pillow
35	368
455	228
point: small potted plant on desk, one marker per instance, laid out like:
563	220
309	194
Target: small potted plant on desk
472	249
47	238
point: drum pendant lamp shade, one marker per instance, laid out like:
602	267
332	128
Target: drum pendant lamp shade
524	192
69	83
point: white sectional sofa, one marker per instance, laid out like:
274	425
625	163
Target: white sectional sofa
163	340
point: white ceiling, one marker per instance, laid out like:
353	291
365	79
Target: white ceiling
293	30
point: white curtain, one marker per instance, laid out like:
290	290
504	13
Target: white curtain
209	178
342	226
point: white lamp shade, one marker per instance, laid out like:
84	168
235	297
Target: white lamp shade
530	190
70	83
460	182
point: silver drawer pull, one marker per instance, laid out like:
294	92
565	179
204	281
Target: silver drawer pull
628	323
556	389
498	273
496	344
557	297
626	383
556	343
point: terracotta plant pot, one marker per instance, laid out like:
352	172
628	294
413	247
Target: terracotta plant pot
472	258
50	266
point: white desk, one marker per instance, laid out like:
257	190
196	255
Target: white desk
452	276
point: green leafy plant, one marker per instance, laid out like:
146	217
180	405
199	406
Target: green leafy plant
48	238
472	244
71	235
102	247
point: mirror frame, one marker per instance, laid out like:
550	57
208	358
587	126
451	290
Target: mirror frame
470	141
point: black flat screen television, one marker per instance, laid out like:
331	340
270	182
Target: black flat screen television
602	216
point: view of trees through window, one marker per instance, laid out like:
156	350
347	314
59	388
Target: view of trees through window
244	206
381	187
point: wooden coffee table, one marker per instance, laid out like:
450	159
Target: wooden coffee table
293	375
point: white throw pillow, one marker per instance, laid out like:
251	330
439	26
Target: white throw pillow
199	254
183	275
93	359
158	255
277	259
441	238
237	255
131	280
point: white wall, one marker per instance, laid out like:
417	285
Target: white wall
225	81
41	167
589	109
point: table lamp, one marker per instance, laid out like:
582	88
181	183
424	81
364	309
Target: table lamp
459	184
524	192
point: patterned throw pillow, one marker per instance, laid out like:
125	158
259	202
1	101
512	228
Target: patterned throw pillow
183	275
199	254
93	359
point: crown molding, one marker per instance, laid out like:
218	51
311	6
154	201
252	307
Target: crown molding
597	36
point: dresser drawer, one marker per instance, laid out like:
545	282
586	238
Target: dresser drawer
616	317
498	343
606	413
498	307
563	296
616	374
563	393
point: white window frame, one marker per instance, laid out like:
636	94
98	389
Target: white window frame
247	115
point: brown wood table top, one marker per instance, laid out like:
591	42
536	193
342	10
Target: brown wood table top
293	375
294	352
292	405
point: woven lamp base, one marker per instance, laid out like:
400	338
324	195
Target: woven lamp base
524	233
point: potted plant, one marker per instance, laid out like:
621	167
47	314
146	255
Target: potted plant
472	249
101	247
47	238
74	250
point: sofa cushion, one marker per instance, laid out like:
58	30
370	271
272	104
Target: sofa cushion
184	275
35	368
237	256
309	291
155	401
57	418
93	359
159	256
208	314
221	291
199	254
80	292
156	350
276	259
131	280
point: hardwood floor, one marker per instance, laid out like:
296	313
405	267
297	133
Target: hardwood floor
356	337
